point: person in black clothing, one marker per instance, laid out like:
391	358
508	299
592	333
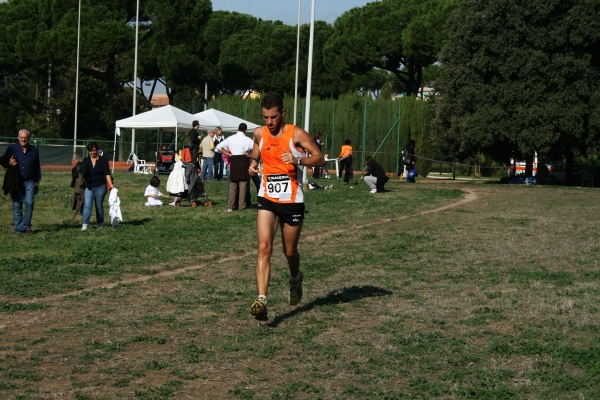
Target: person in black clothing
375	176
218	158
194	143
95	171
410	158
317	170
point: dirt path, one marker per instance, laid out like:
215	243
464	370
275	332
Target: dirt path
470	196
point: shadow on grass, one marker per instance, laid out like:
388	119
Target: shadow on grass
76	225
136	222
344	295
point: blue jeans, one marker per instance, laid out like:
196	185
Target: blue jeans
24	197
94	194
207	169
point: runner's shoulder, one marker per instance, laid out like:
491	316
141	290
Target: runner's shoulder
258	132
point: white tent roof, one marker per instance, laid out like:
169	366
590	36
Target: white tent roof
212	118
167	118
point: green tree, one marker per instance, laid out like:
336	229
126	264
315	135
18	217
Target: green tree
37	34
177	28
399	36
25	56
518	77
220	26
261	60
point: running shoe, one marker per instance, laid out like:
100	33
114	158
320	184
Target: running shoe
259	309
296	291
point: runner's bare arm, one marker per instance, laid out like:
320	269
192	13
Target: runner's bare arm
303	139
253	168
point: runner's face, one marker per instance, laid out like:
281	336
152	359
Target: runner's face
273	119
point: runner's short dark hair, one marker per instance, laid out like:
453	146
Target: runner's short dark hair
272	100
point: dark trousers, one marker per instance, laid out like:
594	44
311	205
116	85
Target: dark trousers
256	180
219	166
316	172
194	153
346	165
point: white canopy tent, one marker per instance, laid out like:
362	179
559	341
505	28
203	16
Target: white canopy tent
167	118
212	118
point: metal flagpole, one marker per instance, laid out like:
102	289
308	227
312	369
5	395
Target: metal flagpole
297	63
309	81
137	19
77	83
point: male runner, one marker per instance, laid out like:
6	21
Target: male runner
282	148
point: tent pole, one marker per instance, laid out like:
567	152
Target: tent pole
137	19
114	151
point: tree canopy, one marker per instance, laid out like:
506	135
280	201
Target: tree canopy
520	76
399	36
184	44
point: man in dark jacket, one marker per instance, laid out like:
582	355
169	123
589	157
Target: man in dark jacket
194	142
27	158
375	176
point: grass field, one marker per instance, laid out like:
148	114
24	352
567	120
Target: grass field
436	290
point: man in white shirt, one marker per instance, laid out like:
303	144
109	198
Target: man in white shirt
239	147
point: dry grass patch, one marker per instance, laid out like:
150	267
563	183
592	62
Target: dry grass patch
496	297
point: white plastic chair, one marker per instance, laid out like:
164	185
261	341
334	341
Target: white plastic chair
141	166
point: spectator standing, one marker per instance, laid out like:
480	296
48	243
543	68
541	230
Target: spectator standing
208	156
239	146
410	159
345	160
27	158
194	143
218	159
96	173
317	170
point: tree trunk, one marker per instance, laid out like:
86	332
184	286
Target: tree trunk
411	79
113	89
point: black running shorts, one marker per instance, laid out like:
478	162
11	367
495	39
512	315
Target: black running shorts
290	213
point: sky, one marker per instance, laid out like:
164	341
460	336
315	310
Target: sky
287	10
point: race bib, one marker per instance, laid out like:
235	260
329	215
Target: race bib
279	186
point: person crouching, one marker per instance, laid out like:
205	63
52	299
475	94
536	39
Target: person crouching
375	176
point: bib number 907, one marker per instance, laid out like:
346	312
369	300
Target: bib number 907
279	186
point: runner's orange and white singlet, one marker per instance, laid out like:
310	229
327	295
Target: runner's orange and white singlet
281	183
